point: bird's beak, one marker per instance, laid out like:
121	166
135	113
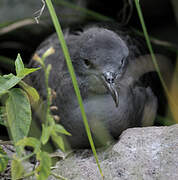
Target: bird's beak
108	81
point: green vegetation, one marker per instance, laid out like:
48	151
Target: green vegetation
16	115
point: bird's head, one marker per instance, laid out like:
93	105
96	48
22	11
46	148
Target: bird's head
101	58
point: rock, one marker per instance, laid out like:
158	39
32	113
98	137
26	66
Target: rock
149	153
6	174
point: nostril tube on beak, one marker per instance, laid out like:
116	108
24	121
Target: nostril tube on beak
109	77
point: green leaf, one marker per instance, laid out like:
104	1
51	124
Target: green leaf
17	169
10	80
7	82
32	92
28	71
18	114
58	140
3	116
46	132
19	66
3	160
20	69
50	119
30	141
60	129
44	169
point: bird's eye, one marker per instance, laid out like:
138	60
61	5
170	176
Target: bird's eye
87	63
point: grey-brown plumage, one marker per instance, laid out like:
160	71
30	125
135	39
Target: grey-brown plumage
108	71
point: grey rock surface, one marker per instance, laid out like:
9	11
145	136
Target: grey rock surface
141	154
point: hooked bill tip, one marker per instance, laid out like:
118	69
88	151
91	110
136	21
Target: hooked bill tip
112	90
114	95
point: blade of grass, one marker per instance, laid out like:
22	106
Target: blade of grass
166	44
16	25
149	43
73	77
170	99
173	92
90	13
97	16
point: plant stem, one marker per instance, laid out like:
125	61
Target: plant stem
73	77
88	12
152	53
58	176
27	175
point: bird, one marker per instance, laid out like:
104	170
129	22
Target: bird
108	65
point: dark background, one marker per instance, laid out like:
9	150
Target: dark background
160	18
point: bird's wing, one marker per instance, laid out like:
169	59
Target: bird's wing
144	64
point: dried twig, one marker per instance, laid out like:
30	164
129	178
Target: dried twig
40	12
